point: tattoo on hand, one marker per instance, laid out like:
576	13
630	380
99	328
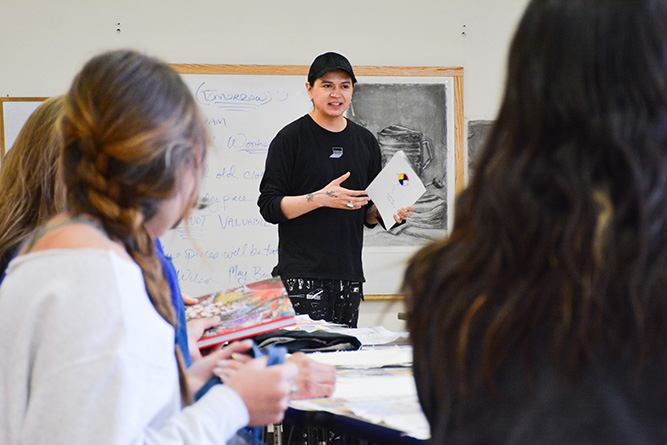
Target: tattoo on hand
311	196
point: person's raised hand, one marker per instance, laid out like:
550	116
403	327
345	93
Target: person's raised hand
339	197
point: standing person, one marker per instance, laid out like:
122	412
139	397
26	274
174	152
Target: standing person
313	186
89	351
542	319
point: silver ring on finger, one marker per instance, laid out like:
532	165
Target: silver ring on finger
350	204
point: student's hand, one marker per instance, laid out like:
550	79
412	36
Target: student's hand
195	329
403	214
202	370
338	197
187	299
265	390
314	379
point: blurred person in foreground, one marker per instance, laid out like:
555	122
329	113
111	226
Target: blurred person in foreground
543	317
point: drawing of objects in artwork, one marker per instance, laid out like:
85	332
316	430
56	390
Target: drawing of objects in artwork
430	209
412	117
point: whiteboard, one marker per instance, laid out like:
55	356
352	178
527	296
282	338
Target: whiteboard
15	111
233	244
228	243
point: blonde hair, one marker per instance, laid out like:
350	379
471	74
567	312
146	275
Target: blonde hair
31	183
130	129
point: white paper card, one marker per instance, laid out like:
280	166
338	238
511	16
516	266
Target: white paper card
396	186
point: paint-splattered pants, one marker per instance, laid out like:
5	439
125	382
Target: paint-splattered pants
331	300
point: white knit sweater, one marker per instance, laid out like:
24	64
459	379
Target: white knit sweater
86	359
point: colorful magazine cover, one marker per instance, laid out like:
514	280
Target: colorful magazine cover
248	310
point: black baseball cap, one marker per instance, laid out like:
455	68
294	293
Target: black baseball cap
329	62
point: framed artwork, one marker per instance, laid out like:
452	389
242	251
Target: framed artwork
14	111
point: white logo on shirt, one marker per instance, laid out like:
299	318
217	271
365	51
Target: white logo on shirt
337	152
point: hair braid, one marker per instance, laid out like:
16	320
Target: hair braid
125	148
123	224
127	226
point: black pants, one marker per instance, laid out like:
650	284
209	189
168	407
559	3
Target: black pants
336	301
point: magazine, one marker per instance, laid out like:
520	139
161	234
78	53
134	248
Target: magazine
245	311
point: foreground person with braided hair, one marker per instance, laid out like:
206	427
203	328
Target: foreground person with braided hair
88	339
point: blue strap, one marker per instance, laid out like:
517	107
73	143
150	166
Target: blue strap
177	299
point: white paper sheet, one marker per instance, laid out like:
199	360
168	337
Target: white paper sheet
396	186
385	396
367	358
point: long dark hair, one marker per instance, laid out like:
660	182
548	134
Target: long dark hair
130	130
559	246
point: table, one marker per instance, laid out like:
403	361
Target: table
375	402
345	430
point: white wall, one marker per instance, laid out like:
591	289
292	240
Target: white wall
44	43
382	313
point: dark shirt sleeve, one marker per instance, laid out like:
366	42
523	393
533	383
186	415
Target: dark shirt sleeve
275	182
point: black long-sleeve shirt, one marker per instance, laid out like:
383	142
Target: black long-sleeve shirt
325	243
